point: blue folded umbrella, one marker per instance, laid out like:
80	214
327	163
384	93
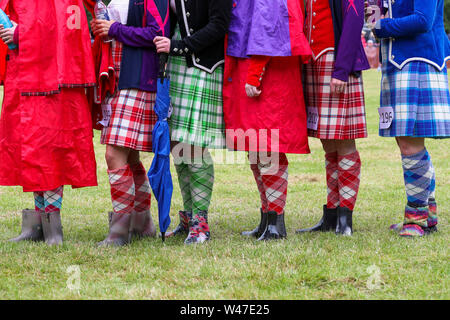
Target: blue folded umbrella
159	173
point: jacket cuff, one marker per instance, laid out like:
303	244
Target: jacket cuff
179	48
113	29
380	29
340	75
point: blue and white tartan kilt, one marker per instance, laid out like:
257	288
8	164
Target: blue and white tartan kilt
419	95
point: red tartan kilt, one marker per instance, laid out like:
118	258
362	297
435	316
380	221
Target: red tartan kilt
132	120
341	117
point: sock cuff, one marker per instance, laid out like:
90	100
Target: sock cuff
421	155
331	157
354	156
138	168
116	176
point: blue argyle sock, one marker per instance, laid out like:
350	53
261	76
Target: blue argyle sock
418	173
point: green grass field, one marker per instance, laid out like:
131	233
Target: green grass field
373	264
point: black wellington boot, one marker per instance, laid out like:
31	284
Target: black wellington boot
344	222
328	222
275	228
31	227
51	225
259	230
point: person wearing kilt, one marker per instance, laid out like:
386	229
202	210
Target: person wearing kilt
45	127
129	114
415	100
264	106
196	73
335	101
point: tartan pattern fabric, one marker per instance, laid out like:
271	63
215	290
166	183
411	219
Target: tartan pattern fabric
122	189
201	183
48	201
133	116
39	204
341	117
332	173
418	174
349	167
420	97
53	200
132	120
184	181
197	116
259	183
143	194
274	183
432	213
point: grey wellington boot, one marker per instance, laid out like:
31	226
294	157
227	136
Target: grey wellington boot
141	225
31	227
119	230
52	228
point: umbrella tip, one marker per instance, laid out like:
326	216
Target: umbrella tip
163	236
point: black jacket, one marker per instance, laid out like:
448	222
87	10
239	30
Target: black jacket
203	25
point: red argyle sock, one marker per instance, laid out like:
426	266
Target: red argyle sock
260	185
39	204
143	195
349	167
331	168
122	189
275	183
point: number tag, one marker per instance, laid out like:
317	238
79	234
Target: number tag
313	118
386	117
106	112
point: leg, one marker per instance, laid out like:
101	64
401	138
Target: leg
258	231
418	175
201	184
51	218
275	181
141	224
184	181
349	175
122	195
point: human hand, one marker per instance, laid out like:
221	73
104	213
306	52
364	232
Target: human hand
252	91
337	86
101	27
7	35
162	44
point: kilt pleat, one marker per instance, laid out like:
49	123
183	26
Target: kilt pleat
341	117
420	97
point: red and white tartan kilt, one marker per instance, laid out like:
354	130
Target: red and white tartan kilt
341	117
132	114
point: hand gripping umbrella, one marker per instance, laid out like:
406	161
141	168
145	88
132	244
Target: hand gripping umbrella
159	173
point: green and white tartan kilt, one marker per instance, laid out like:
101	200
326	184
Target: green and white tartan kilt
197	116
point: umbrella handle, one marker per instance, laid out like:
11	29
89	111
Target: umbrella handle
163	58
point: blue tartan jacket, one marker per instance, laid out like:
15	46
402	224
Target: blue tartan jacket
416	32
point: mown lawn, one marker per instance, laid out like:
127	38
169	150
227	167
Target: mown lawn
373	264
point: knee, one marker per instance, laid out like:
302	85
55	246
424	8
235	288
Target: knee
408	147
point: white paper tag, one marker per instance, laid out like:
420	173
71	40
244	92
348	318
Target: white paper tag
313	118
386	117
106	112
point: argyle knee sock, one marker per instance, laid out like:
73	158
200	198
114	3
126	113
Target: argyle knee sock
275	183
53	200
39	204
184	181
122	189
418	175
201	183
259	183
349	167
331	168
142	198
